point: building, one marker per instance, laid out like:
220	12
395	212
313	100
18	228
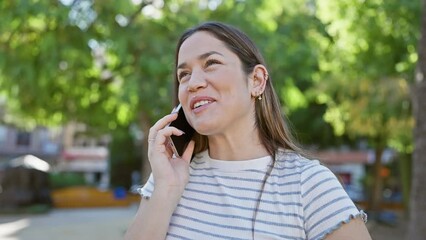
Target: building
86	154
67	149
45	143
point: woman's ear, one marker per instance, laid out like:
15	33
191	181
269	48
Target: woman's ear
258	80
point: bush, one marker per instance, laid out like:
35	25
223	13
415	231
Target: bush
62	180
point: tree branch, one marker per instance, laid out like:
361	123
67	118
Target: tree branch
137	12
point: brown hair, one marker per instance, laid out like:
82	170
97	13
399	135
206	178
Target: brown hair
274	132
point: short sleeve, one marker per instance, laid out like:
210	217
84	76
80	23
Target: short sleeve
326	205
148	188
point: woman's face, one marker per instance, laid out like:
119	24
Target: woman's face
213	89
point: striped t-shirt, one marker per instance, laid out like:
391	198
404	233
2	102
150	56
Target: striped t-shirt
301	199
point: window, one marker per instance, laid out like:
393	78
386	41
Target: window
23	138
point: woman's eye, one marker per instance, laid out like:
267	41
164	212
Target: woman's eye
211	62
182	75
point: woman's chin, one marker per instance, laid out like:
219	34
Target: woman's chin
205	129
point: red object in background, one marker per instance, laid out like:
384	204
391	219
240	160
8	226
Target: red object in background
385	172
345	178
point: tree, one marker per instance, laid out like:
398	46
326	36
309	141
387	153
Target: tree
366	71
110	64
417	226
48	71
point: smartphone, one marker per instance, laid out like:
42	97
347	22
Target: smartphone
179	143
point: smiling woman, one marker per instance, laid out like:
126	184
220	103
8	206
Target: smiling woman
242	176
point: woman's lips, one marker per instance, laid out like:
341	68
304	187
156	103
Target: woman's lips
199	101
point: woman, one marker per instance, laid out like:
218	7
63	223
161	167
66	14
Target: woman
242	177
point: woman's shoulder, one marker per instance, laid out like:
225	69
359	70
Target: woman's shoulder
292	159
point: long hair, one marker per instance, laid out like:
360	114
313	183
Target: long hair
274	132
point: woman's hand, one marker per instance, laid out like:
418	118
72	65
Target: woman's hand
170	178
170	172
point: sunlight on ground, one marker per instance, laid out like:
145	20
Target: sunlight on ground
7	230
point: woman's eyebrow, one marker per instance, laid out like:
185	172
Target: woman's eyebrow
200	57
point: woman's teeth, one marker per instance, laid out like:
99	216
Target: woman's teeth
200	103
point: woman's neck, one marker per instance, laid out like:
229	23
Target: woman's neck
237	146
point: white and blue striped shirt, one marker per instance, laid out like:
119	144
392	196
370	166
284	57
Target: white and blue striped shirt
301	199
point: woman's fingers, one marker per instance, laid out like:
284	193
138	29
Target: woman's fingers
163	134
160	124
161	142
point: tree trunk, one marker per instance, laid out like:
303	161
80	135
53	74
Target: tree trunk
376	193
417	226
145	125
405	167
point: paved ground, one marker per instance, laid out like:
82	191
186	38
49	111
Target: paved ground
110	224
82	224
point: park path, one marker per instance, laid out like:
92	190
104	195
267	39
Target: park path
110	224
68	224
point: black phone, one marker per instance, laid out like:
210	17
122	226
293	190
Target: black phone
179	143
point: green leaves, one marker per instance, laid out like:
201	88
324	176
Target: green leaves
369	66
340	63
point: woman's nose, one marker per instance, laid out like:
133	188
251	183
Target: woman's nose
197	81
